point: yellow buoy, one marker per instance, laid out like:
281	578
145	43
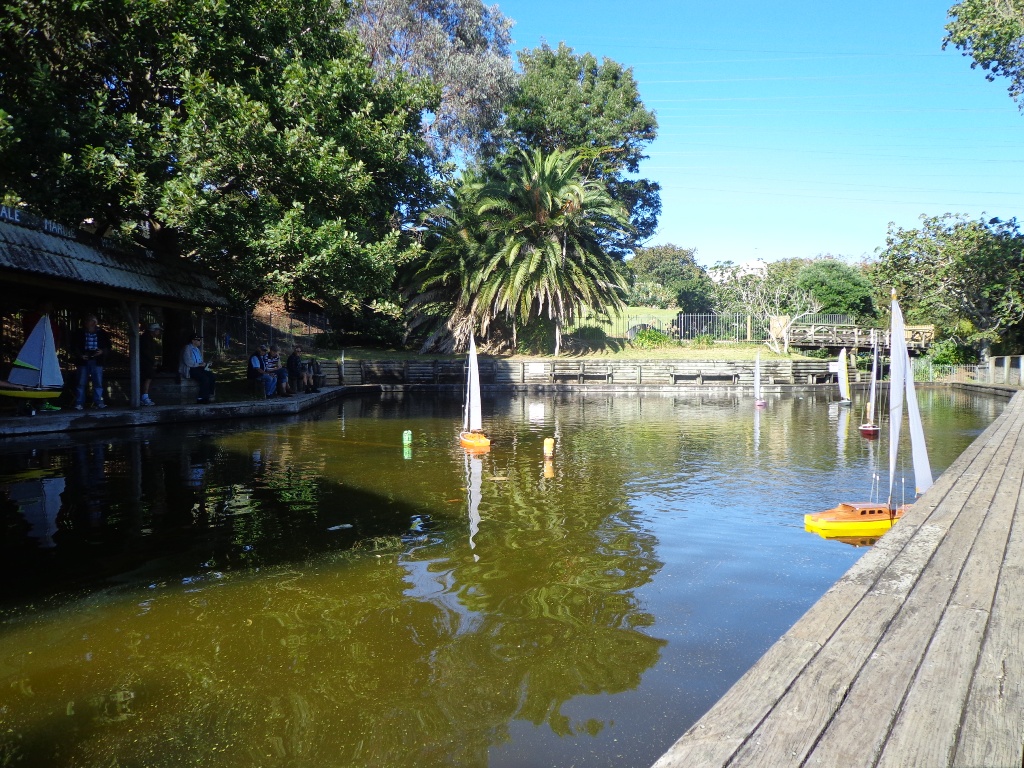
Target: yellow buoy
549	446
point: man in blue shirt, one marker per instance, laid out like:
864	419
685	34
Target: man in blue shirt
89	349
193	367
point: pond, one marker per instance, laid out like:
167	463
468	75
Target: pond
309	593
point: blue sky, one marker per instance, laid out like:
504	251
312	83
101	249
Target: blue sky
798	128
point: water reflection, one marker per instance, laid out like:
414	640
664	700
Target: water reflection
302	593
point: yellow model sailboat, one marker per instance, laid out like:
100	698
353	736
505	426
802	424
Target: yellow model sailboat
872	519
472	437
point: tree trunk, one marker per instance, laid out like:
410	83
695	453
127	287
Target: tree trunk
558	337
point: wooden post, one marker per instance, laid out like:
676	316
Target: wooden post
362	371
131	313
750	328
522	373
405	371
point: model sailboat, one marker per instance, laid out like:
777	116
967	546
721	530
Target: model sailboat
843	374
472	436
870	427
868	518
759	402
35	373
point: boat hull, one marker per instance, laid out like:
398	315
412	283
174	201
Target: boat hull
474	441
31	394
869	431
857	519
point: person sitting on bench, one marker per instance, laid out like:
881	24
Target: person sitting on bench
193	367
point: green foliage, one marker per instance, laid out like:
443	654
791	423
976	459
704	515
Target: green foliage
459	45
644	293
651	338
992	33
520	245
570	102
536	337
822	353
703	341
250	136
965	277
948	352
840	288
677	270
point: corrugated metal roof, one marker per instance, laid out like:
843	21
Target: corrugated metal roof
35	252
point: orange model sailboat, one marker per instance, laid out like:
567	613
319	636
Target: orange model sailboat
472	437
868	519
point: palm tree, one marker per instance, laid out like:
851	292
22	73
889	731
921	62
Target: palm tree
545	225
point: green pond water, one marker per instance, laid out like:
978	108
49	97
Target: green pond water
306	593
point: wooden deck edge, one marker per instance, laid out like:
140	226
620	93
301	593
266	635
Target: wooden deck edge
720	735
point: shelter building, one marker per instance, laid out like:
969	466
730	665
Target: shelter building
46	263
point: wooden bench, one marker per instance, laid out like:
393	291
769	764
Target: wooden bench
598	372
569	371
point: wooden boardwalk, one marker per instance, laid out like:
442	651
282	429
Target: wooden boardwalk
915	657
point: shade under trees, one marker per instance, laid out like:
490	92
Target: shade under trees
250	136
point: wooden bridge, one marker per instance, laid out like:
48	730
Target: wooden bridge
816	335
915	656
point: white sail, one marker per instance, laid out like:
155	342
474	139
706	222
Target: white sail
844	375
473	420
874	377
37	365
902	382
757	377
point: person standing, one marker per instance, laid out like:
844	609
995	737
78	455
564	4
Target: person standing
89	349
192	366
148	351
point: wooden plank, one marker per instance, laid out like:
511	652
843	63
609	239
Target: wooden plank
851	739
925	731
714	738
992	731
787	733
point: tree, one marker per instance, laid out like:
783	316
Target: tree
249	136
966	277
840	288
564	101
770	294
677	270
520	246
992	33
461	46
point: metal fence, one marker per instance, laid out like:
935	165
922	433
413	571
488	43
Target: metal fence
684	326
242	332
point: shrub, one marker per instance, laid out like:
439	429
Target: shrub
703	341
819	354
651	338
948	352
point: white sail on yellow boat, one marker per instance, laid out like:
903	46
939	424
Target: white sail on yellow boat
472	437
35	373
867	519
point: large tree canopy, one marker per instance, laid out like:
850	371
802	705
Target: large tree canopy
676	270
520	246
840	288
964	276
251	136
992	33
569	102
459	45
